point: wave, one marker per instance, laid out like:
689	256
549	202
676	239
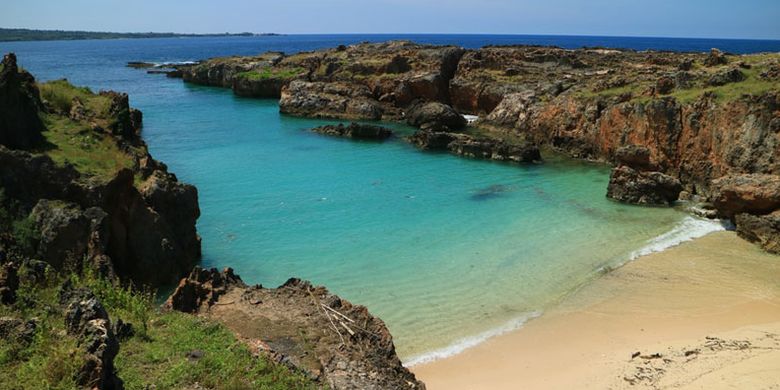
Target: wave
688	229
470	119
168	64
471	341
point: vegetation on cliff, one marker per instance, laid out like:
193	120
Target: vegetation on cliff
68	197
156	348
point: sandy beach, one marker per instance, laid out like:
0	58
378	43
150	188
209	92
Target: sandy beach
702	315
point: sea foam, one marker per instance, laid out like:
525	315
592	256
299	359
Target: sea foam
686	230
689	228
471	341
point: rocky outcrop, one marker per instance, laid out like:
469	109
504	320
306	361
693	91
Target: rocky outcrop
482	148
202	288
436	116
748	193
329	100
339	344
137	223
355	130
636	180
641	187
761	229
17	331
685	108
20	103
86	319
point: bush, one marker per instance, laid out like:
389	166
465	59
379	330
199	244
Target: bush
26	235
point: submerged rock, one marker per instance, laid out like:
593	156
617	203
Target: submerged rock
355	130
338	344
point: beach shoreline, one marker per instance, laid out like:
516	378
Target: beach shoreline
699	314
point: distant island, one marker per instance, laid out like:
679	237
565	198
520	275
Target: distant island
23	34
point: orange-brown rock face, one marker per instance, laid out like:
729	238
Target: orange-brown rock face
700	115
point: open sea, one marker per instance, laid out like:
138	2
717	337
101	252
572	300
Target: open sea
447	251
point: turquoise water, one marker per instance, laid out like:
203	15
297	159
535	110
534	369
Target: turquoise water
446	250
440	247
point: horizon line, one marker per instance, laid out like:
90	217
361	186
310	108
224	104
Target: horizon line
589	35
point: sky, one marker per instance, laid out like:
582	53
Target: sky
657	18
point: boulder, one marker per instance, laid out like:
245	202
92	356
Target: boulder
65	232
355	130
431	140
495	150
761	229
483	148
435	114
202	287
726	77
746	193
665	85
645	188
20	103
17	331
716	58
86	319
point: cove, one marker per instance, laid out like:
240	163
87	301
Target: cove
442	248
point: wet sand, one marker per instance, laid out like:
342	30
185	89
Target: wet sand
704	314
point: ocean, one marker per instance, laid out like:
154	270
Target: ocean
447	251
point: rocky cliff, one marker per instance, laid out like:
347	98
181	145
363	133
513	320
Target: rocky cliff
336	343
73	165
701	116
79	191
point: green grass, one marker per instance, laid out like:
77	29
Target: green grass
91	152
226	363
269	73
156	355
59	94
53	358
752	85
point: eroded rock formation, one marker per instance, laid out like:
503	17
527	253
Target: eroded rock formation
339	344
701	116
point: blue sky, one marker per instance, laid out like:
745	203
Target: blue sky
668	18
